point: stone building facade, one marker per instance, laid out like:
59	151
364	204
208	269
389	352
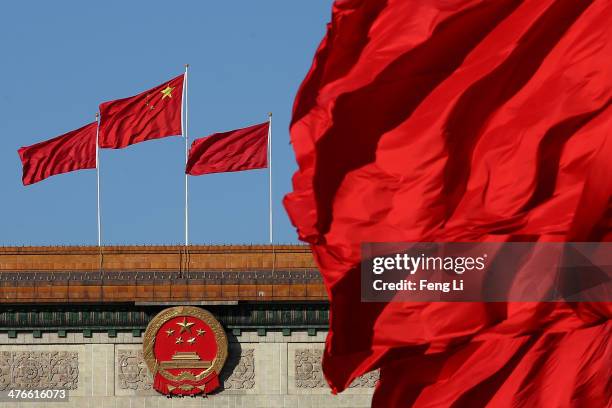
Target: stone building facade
101	371
61	328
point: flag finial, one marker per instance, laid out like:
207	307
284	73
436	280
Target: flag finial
269	114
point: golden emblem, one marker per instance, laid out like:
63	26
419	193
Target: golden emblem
180	361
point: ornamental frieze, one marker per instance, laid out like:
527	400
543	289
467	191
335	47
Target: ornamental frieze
368	380
32	370
309	374
133	373
242	376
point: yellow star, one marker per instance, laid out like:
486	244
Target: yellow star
191	341
185	325
167	92
179	340
170	332
201	332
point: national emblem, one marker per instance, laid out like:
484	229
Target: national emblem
182	367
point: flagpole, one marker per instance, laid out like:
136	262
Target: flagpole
270	172
98	179
185	134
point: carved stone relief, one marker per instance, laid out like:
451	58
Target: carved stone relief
308	372
133	373
368	380
242	376
31	370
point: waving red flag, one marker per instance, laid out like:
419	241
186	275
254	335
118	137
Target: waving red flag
151	114
464	120
237	150
75	150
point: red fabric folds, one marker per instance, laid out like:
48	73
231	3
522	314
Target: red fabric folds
152	114
570	369
236	150
464	120
75	150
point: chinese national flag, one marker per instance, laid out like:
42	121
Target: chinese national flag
458	120
242	149
152	114
75	150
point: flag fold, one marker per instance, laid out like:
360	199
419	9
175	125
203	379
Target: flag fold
462	120
75	150
236	150
151	114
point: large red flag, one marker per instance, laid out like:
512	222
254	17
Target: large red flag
75	150
463	120
151	114
237	150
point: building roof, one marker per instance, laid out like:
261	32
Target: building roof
158	274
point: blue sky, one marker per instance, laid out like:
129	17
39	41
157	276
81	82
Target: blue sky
60	59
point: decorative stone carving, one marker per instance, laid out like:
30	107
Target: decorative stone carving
242	376
308	372
133	373
368	380
31	370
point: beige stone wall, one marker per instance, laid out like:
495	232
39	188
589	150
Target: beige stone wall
262	371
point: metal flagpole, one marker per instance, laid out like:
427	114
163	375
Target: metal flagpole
185	134
270	170
100	256
98	179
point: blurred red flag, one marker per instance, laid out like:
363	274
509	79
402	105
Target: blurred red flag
464	120
75	150
237	150
151	114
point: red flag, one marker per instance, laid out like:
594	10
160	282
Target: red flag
75	150
236	150
152	114
458	121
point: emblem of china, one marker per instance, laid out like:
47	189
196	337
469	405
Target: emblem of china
185	348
